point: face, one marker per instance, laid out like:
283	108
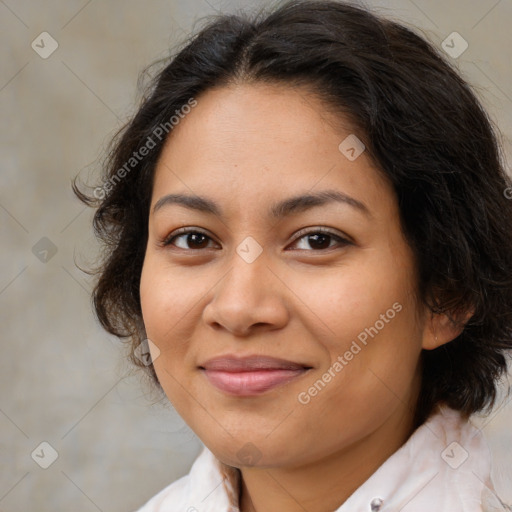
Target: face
287	328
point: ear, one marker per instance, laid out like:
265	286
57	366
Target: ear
443	327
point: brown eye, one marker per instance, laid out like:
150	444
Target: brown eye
320	240
189	240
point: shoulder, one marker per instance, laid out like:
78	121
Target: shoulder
175	493
460	461
203	489
444	465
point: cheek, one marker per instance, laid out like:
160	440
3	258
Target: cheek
171	309
365	314
167	295
347	300
165	301
163	304
378	359
367	380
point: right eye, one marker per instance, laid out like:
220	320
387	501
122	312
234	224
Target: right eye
188	239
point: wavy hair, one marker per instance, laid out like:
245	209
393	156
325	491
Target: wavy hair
421	124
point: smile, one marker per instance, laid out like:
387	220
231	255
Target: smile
252	375
252	382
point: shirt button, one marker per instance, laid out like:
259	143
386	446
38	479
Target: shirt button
376	504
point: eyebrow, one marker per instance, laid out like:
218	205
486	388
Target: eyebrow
295	204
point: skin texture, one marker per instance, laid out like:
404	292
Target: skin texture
247	147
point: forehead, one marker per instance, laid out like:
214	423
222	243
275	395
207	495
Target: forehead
258	113
263	140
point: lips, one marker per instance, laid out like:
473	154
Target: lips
251	375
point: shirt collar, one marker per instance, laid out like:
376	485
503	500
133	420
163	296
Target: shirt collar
444	465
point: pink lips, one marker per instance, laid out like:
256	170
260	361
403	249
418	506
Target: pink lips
251	375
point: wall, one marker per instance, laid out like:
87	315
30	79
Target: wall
62	379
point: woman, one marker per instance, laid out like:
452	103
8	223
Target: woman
307	227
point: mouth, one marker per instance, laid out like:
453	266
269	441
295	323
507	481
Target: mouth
251	375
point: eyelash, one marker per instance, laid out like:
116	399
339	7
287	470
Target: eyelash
301	234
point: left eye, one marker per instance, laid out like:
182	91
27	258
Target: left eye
318	240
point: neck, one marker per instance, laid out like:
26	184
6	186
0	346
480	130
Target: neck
324	484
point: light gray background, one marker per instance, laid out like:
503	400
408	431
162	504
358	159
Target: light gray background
63	380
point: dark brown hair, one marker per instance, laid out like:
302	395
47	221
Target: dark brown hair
421	124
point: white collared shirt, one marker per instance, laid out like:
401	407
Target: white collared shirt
444	466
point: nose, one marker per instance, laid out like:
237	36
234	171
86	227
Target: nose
249	297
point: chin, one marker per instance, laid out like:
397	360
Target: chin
242	452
